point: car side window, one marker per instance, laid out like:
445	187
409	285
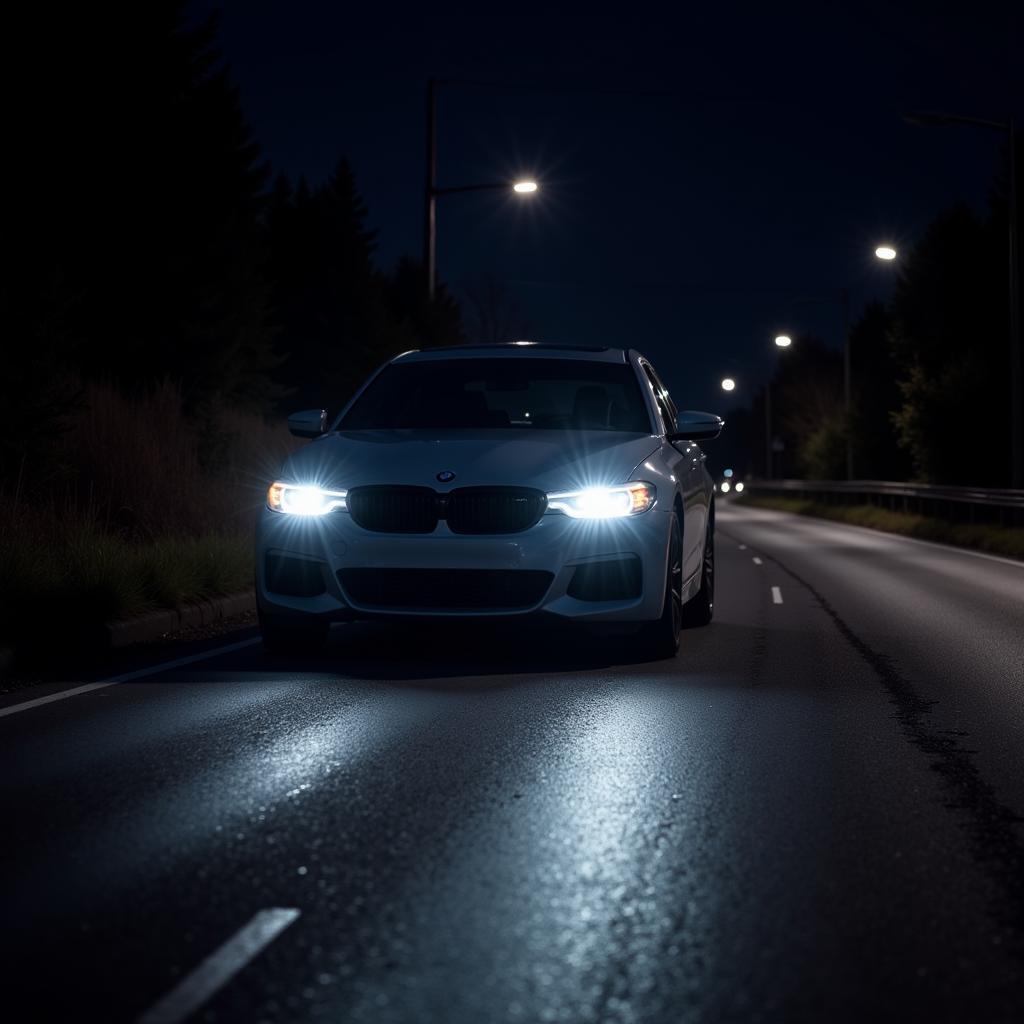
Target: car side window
665	405
660	389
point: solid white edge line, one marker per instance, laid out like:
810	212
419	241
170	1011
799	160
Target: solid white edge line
220	966
776	595
127	677
757	561
28	704
952	549
177	662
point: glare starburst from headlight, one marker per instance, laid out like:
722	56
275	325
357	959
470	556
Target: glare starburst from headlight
605	502
304	499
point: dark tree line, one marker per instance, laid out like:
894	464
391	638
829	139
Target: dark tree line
338	317
930	372
143	240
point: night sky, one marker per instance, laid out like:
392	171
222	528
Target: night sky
709	176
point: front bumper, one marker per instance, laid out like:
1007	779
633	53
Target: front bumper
557	545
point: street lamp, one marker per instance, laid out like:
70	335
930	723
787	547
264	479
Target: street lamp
885	253
935	119
728	384
431	191
781	341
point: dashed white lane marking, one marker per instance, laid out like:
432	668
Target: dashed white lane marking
220	967
127	677
757	561
776	595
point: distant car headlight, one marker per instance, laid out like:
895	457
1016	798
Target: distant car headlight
303	500
605	502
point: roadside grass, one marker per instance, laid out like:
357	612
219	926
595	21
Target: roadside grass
996	540
67	579
140	507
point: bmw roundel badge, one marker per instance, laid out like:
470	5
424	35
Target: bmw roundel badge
445	476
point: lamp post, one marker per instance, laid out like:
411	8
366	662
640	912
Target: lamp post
935	119
886	253
781	341
431	191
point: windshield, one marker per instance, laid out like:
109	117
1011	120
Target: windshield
515	394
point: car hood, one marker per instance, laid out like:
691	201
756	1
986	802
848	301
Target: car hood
547	459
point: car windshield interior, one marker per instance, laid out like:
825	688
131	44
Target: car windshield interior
521	394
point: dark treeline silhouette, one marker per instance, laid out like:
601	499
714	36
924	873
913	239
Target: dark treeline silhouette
338	316
949	336
930	372
144	243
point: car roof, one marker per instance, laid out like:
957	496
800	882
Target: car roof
515	350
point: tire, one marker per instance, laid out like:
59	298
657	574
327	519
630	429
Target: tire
660	639
293	637
700	609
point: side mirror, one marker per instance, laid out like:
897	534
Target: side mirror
308	423
697	426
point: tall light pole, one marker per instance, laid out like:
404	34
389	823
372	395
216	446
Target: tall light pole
431	191
930	119
781	341
844	299
886	253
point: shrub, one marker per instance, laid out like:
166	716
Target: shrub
150	509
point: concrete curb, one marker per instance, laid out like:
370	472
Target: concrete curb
143	628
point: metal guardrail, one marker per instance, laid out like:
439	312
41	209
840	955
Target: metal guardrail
957	504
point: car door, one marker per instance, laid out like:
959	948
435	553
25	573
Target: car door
688	470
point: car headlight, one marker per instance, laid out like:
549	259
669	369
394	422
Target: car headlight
303	499
605	502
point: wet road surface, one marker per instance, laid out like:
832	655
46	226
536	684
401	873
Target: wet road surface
813	813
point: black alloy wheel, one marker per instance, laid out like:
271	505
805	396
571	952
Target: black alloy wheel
660	639
700	609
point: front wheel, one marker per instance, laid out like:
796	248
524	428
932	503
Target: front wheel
660	639
700	609
292	637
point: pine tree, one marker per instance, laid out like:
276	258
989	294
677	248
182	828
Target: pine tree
142	191
339	317
949	339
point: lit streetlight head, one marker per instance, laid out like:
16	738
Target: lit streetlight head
525	186
728	384
783	340
885	252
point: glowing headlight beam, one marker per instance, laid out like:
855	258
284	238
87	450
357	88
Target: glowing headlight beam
304	499
605	502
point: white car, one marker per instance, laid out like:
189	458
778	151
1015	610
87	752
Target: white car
496	481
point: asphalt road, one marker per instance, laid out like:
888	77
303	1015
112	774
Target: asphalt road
813	814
